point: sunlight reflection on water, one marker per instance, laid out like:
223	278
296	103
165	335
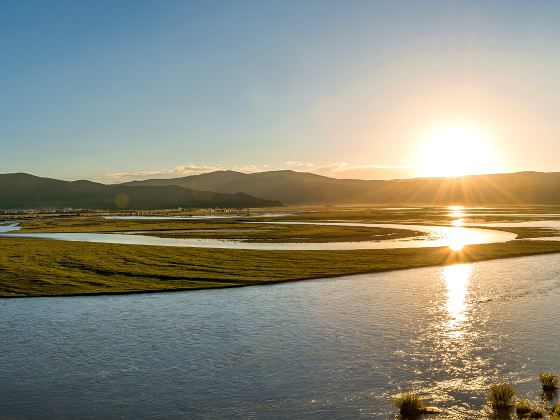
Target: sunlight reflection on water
457	237
456	278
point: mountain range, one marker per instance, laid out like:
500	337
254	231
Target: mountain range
275	188
24	191
300	188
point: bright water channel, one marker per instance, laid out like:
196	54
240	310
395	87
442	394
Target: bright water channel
455	237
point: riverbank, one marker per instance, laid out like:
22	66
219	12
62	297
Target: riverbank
235	229
38	267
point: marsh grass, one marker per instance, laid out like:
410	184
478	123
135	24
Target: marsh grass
40	267
409	404
501	396
556	412
527	410
215	229
548	380
35	267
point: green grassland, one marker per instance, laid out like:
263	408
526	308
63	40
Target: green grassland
39	267
530	232
36	267
412	215
215	229
102	225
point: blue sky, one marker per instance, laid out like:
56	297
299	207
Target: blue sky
113	90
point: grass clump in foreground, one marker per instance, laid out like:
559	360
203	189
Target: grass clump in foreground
410	405
501	396
556	412
548	380
527	410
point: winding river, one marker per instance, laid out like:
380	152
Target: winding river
455	237
330	348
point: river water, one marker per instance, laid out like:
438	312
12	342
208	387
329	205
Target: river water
455	237
334	348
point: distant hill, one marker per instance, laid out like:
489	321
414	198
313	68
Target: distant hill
23	191
305	188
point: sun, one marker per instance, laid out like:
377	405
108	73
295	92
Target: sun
456	150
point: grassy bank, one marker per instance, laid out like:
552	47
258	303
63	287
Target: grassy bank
34	267
216	229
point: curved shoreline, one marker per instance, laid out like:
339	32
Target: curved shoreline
436	236
69	268
472	254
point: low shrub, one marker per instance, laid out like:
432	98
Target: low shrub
527	410
556	411
500	396
409	403
548	380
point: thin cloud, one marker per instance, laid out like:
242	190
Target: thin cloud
181	170
191	169
334	169
118	176
251	168
298	164
365	171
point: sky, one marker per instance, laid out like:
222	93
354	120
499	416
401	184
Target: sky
119	90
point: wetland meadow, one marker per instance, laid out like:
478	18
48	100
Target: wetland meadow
443	320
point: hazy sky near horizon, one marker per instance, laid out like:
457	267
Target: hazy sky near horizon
114	90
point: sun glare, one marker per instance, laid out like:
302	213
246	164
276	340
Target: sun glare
458	236
456	150
457	278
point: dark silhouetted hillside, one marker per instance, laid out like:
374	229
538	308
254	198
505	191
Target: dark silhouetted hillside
23	191
305	188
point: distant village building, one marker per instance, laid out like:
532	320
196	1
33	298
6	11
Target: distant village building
222	210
